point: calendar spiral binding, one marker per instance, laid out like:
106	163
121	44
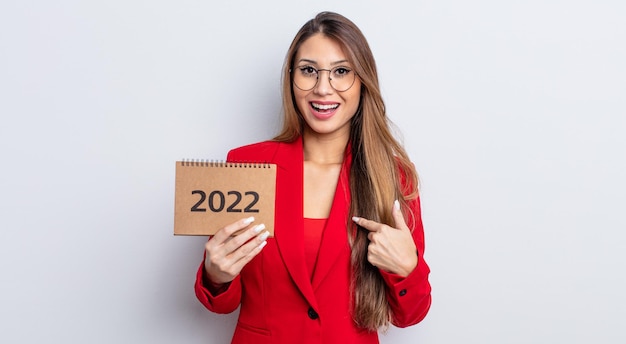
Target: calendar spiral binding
222	163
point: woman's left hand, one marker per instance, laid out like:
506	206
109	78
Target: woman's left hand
391	249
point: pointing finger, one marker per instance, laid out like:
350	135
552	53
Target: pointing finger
374	226
367	224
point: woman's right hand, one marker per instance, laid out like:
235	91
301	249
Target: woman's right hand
226	254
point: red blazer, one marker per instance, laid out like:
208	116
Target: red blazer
279	302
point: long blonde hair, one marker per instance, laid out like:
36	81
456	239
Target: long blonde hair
381	170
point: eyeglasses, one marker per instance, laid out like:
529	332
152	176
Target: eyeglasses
306	77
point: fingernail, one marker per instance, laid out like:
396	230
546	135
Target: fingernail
355	219
265	235
248	220
259	228
396	205
263	244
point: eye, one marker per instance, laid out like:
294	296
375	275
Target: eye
341	71
308	71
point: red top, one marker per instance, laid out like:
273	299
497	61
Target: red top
313	230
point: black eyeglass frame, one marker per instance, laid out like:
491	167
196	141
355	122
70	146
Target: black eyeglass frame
317	79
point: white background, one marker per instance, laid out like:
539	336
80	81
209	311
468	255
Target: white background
513	111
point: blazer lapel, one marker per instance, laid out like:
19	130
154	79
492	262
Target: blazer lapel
289	215
335	237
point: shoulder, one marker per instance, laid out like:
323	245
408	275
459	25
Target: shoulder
258	152
407	178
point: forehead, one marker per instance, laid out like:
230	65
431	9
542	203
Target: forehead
321	50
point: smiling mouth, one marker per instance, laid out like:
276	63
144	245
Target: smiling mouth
324	107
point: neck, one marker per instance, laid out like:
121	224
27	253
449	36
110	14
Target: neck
324	149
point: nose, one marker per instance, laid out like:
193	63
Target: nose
323	85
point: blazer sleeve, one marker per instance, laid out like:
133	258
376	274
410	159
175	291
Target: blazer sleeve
409	297
225	301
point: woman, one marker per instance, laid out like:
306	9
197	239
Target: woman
347	256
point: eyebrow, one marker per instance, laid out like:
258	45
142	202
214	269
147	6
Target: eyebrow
315	62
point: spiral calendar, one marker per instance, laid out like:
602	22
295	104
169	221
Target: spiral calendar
212	194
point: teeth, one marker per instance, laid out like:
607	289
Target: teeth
324	107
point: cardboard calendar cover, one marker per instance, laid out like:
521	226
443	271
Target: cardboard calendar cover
210	195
